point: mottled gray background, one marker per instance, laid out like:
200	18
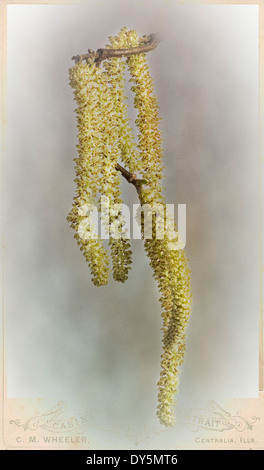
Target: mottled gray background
99	348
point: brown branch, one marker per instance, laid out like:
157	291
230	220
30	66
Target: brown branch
148	44
131	178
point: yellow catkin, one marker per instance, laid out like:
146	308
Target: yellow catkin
170	266
115	68
86	80
171	271
121	253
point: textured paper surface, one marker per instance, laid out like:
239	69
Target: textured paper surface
80	365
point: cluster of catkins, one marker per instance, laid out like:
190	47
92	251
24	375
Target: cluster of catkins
104	139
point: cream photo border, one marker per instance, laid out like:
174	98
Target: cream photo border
25	423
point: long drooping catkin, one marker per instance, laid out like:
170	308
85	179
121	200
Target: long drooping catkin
170	266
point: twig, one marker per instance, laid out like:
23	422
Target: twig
131	178
148	44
